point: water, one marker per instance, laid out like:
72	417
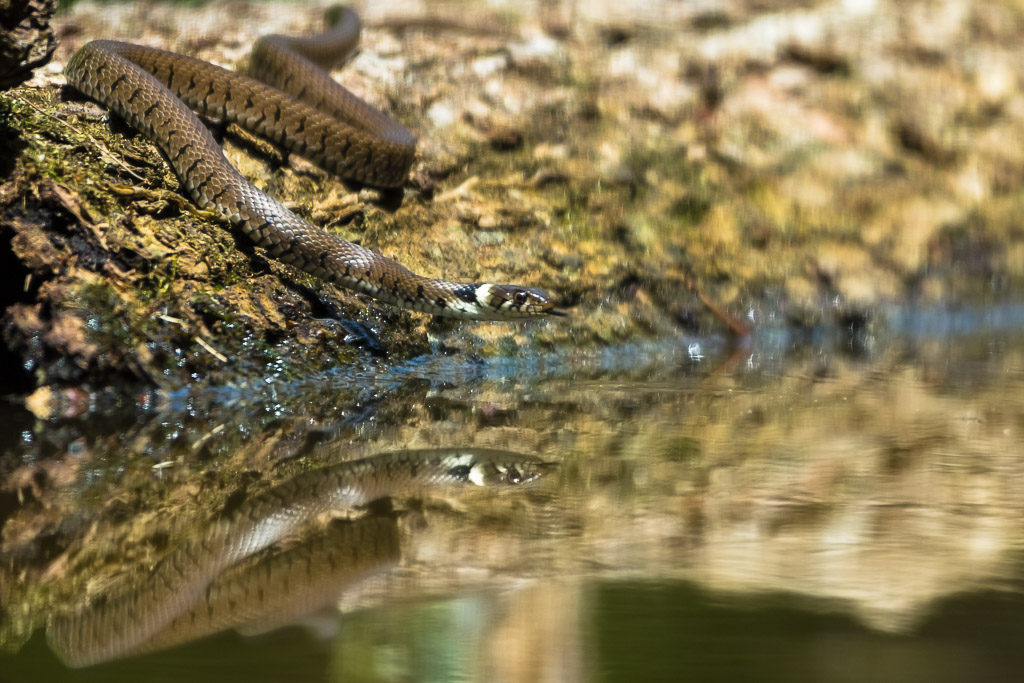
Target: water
842	506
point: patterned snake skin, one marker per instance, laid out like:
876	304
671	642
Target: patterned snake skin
297	105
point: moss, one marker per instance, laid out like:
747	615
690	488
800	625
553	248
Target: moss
618	194
137	324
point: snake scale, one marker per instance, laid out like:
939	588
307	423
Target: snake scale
294	102
205	584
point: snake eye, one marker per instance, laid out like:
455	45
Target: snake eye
520	297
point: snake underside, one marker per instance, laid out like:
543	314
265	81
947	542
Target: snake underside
296	104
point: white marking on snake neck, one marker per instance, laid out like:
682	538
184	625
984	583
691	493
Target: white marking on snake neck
468	460
471	309
476	475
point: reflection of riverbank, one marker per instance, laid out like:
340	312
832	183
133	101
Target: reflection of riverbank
877	484
885	487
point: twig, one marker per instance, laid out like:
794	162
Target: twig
213	352
458	191
736	326
103	150
199	340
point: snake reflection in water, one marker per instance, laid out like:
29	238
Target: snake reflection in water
209	583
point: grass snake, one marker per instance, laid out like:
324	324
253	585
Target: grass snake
294	102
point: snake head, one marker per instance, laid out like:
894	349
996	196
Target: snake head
487	467
508	472
513	301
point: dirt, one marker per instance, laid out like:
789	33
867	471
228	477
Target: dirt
803	162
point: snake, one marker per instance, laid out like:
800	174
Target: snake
205	583
290	99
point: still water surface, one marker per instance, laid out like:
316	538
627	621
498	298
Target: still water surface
847	509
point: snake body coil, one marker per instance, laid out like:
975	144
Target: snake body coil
301	108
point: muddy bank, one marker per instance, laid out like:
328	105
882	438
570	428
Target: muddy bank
810	162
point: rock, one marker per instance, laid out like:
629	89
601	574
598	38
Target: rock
441	114
26	39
